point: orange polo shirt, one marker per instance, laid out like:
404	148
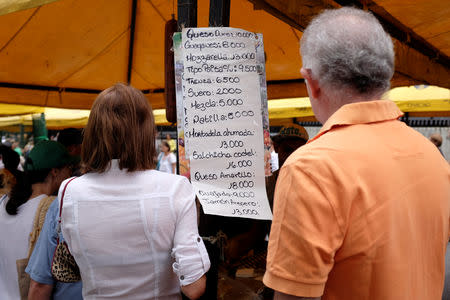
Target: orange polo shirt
361	211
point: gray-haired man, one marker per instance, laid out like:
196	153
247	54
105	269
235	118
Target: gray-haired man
362	211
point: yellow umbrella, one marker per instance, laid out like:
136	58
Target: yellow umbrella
63	53
57	118
14	110
9	6
429	101
421	100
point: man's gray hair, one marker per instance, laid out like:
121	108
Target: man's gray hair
347	49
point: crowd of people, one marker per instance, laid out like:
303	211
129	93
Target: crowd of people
361	211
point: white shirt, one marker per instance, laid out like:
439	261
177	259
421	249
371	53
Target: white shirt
274	162
14	237
134	235
165	162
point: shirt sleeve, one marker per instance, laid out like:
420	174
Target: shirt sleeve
191	258
304	237
39	265
172	158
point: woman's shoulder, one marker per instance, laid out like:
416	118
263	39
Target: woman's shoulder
28	209
148	180
164	176
72	184
168	179
66	182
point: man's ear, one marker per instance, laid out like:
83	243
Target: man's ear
311	83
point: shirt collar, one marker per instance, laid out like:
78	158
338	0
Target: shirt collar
114	164
361	113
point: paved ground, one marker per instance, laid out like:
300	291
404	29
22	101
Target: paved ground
244	280
251	288
241	288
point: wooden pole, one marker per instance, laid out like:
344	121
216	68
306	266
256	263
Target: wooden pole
219	13
187	14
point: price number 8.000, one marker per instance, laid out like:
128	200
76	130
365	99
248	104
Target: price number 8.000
241	184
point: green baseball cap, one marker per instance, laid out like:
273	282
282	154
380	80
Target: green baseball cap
48	155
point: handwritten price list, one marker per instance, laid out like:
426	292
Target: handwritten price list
223	120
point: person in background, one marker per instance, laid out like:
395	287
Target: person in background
251	232
172	143
167	162
71	138
15	146
43	286
158	143
2	165
134	234
8	142
28	147
274	161
436	139
4	145
290	138
361	211
9	163
46	167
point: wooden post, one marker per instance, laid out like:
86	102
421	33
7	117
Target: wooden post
187	17
40	132
22	142
219	13
131	44
187	14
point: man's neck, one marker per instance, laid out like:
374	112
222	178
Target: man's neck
334	105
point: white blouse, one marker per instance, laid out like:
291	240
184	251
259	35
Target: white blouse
165	162
14	239
134	235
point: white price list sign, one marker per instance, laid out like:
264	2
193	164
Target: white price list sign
223	120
